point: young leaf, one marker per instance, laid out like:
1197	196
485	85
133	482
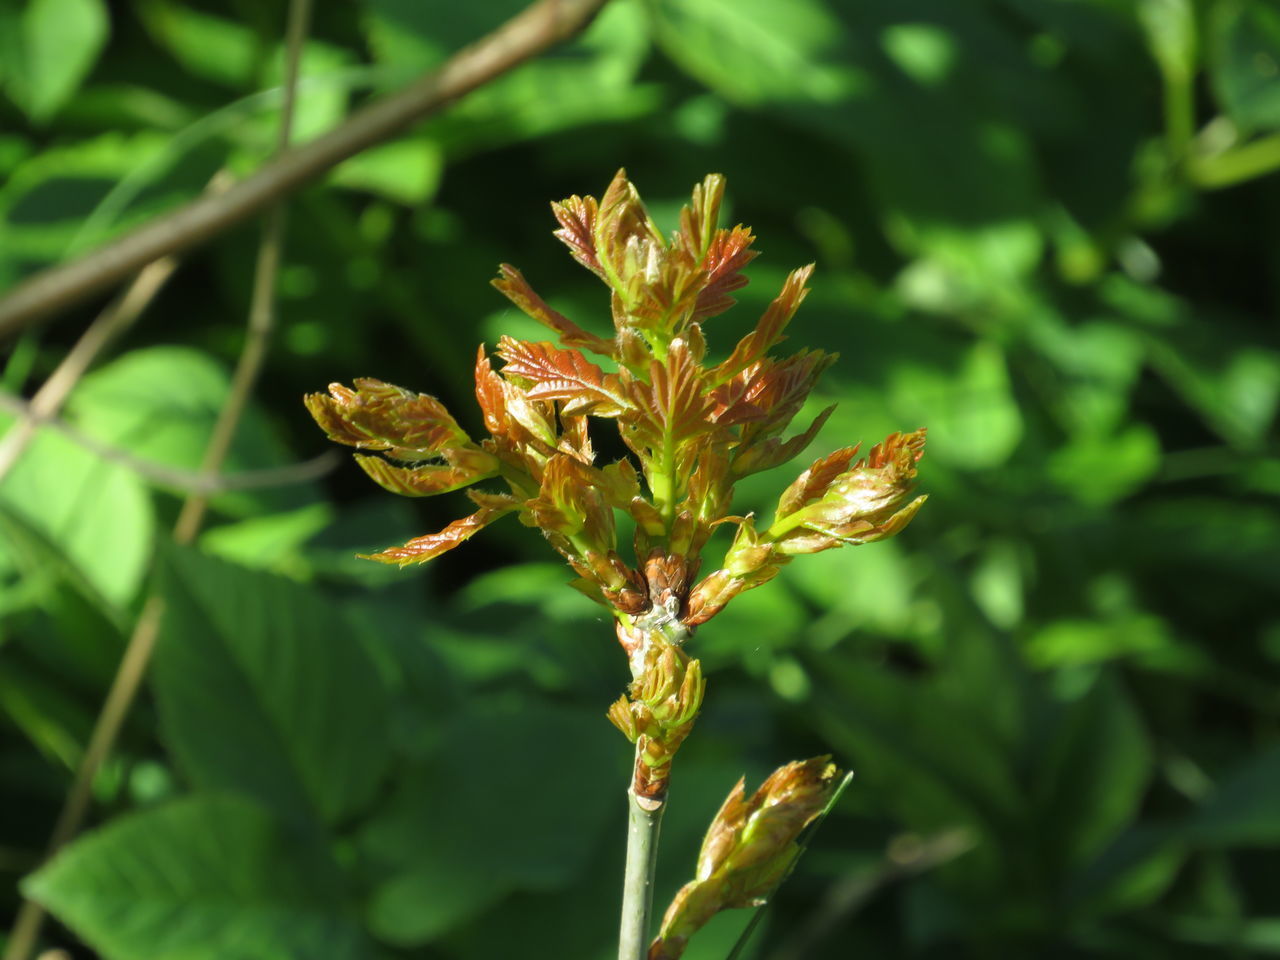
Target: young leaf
577	217
698	221
515	288
428	479
768	332
729	253
562	375
381	416
424	548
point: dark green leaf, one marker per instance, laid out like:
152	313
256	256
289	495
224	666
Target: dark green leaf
264	688
205	878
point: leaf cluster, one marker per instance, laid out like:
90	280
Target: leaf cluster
693	427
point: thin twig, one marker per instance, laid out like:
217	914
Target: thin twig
175	478
137	653
262	303
906	857
535	29
113	321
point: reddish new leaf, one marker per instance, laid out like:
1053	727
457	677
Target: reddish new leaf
768	332
861	504
577	217
515	287
814	482
773	452
426	480
489	395
728	254
556	374
422	549
381	416
671	405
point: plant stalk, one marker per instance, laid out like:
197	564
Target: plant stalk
644	819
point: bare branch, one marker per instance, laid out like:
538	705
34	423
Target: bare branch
540	26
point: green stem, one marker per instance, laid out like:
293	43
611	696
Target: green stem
1179	113
1238	164
637	889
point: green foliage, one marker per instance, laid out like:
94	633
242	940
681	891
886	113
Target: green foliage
1046	231
205	876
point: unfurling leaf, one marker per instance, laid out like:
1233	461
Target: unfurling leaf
729	253
556	374
748	850
831	503
698	221
380	416
768	332
577	216
516	289
422	549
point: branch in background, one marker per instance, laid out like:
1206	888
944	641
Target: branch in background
540	26
174	478
907	856
113	321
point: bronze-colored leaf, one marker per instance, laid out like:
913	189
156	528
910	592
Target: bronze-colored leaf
773	452
768	332
422	549
381	416
577	217
514	287
814	482
556	374
489	394
728	253
671	405
425	480
861	504
622	221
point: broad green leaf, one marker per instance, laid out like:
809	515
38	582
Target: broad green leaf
161	403
57	44
757	51
96	513
925	751
206	45
414	36
1245	36
271	542
1094	761
591	80
204	878
1232	384
265	689
997	583
1135	869
856	588
1077	642
46	196
406	171
1103	469
478	820
973	420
